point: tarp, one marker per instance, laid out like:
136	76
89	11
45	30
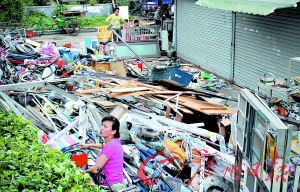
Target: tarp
260	7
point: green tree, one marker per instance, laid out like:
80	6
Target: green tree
12	10
123	2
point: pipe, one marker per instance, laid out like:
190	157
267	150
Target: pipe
140	58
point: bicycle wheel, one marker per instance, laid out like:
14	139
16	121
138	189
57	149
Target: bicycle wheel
150	16
73	28
24	48
37	29
136	12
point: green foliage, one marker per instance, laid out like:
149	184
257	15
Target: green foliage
11	11
36	13
123	2
85	22
26	165
41	2
94	21
58	9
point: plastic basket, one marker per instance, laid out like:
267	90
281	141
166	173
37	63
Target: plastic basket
172	76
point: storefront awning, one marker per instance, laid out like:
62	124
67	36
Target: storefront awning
260	7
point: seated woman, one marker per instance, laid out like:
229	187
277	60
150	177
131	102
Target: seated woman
111	157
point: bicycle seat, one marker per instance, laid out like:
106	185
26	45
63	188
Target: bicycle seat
54	17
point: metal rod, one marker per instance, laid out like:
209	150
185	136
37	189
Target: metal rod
141	59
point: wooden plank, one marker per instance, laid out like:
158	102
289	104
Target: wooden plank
217	112
178	118
130	89
106	104
86	91
168	111
146	85
113	95
200	106
182	109
119	81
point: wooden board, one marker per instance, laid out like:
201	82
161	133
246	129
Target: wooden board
106	104
86	91
201	106
113	95
130	89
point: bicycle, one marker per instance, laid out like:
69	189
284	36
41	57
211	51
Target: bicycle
68	24
41	69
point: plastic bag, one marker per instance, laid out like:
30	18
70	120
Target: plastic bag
125	135
48	49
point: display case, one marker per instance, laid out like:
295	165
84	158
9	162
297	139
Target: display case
264	142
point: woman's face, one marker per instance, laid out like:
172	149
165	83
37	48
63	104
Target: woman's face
106	129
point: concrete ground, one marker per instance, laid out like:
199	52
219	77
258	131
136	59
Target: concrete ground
61	39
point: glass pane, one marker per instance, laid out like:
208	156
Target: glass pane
257	144
240	120
142	50
260	125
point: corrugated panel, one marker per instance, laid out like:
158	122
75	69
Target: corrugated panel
265	44
204	37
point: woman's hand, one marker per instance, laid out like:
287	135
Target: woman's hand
84	146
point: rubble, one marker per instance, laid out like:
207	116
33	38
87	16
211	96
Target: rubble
66	95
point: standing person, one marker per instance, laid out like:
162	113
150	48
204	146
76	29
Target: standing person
168	25
159	13
115	20
111	157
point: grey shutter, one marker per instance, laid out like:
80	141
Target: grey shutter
265	44
204	37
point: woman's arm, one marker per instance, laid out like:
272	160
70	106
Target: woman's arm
98	146
100	163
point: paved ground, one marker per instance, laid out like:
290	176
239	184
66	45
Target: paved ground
61	39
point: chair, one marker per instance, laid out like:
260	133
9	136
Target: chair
102	33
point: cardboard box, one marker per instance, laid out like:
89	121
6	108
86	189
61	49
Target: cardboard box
119	67
118	112
100	66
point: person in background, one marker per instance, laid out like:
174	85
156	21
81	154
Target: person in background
115	20
159	13
111	157
168	25
136	23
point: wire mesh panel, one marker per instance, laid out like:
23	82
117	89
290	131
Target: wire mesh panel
142	32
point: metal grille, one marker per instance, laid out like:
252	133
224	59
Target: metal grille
265	44
204	37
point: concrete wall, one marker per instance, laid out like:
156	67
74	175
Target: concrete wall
97	9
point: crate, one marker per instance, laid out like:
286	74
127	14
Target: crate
172	76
